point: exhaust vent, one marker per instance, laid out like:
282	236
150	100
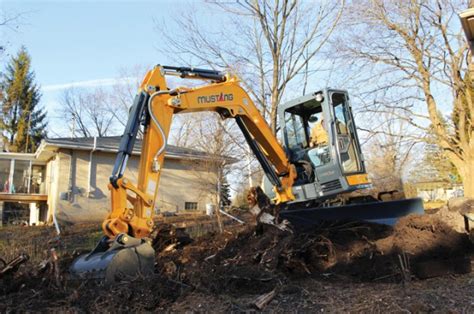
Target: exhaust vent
331	186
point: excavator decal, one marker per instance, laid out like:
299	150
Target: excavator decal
215	98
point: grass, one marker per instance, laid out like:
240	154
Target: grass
37	241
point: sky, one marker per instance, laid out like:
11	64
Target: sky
84	43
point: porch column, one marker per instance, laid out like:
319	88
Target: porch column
34	214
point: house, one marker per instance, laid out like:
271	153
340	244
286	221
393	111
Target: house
438	190
66	179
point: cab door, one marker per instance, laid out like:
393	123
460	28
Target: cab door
348	148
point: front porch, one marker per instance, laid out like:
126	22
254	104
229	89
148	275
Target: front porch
22	188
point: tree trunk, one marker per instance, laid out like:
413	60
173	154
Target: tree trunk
467	174
274	118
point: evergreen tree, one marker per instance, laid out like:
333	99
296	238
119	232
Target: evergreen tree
435	166
23	121
225	193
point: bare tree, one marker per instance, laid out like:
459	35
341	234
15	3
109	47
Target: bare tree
10	22
88	113
390	147
7	22
413	58
206	132
121	98
123	92
268	44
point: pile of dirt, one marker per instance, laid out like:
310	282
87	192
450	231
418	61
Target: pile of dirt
426	236
233	267
452	214
27	291
434	247
243	261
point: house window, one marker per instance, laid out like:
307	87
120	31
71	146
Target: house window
190	205
5	166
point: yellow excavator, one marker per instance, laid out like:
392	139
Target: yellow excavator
305	176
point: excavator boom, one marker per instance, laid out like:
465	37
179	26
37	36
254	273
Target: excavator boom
154	108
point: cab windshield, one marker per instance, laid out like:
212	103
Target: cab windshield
306	135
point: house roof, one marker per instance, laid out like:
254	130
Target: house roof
111	144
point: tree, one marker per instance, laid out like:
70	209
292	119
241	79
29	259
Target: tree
24	121
88	113
435	166
390	149
123	92
268	44
413	59
207	133
225	193
8	22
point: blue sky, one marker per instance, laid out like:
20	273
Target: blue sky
85	43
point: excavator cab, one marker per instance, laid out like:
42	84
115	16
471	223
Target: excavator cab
319	135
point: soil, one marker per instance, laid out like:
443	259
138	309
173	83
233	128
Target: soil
339	266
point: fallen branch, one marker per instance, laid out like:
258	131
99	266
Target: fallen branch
13	265
262	301
232	217
404	266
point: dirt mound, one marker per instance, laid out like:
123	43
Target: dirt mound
428	235
28	292
244	262
461	205
433	245
453	217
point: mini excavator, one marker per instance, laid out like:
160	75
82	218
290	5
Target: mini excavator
305	174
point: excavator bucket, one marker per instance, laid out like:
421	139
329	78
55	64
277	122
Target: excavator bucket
387	212
114	260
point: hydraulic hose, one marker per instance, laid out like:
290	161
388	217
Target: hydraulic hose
155	121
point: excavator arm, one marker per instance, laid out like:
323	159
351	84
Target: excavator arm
154	108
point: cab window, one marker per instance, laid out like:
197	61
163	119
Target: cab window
295	131
345	134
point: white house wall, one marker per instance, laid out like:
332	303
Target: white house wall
181	182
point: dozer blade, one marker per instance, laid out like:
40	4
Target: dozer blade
125	258
377	212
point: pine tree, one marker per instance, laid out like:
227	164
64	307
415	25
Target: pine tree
225	193
23	122
435	166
